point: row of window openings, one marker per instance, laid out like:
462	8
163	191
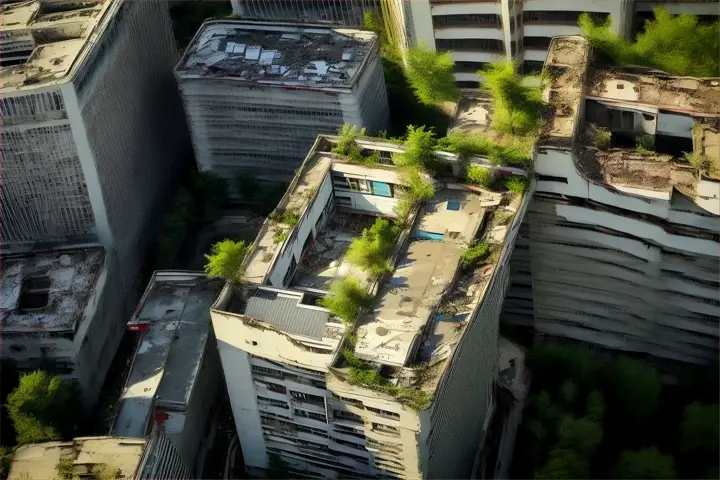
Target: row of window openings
365	186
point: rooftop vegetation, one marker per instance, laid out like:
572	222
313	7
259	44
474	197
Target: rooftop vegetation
347	147
43	407
431	75
418	189
370	252
226	258
516	184
364	374
347	299
678	45
476	252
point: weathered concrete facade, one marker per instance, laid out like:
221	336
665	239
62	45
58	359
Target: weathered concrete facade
257	95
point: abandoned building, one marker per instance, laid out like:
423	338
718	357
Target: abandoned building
257	94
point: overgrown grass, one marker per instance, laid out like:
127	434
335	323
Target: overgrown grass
370	252
431	75
347	299
286	217
417	189
364	374
645	144
347	147
699	161
678	45
512	150
516	105
516	184
475	253
482	176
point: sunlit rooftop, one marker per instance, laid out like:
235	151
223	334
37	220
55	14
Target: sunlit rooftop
277	53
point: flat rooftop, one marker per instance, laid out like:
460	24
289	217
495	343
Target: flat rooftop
49	291
627	168
277	54
566	65
423	273
58	31
39	461
325	261
686	95
473	113
175	310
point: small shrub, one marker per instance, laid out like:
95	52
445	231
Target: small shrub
346	300
476	252
286	217
226	258
698	160
481	176
644	144
371	250
603	138
279	236
516	184
64	468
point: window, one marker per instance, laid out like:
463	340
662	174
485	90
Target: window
290	271
267	371
35	293
311	415
467	20
343	200
272	402
344	415
513	48
512	25
380	428
351	401
349	431
384	413
274	387
485	44
622	120
550	178
307	397
560	16
537	42
380	189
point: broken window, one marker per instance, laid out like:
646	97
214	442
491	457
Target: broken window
35	294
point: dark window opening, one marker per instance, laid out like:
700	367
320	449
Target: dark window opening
675	146
484	44
469	67
561	16
532	67
467	84
550	178
470	20
35	293
536	42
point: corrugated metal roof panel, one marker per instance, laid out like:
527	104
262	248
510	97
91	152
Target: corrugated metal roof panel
283	310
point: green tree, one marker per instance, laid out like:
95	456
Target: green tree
517	106
431	75
562	464
699	430
370	252
569	393
581	435
595	406
43	407
419	148
635	387
645	463
226	258
548	411
175	229
347	299
678	45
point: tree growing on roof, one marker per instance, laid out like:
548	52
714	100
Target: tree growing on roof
678	45
226	258
43	407
347	299
645	463
431	75
370	252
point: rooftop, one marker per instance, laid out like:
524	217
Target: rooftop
87	453
49	291
277	53
473	113
175	310
566	64
425	270
57	33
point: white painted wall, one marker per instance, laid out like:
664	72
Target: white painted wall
422	25
306	226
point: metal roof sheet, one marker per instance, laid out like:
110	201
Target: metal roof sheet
283	310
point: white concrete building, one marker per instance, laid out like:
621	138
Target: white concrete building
91	133
257	94
175	373
430	336
482	31
342	12
621	248
91	125
61	306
